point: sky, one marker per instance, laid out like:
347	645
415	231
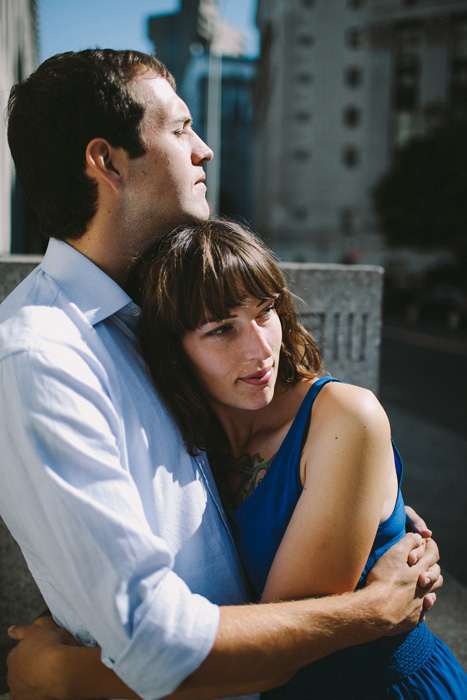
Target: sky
121	24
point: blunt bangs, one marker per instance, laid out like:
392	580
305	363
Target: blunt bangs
200	273
231	280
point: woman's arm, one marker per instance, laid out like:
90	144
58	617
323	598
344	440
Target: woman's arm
349	480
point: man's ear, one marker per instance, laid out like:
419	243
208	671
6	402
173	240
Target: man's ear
106	163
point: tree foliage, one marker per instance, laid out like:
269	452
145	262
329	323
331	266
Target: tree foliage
421	201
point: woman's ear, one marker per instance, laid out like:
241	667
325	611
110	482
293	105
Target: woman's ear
105	163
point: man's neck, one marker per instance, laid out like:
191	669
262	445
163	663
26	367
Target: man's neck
115	263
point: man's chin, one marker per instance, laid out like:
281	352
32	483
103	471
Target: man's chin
197	217
205	214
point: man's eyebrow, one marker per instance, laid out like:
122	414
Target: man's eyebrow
182	119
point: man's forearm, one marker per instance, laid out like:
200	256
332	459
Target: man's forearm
261	646
265	644
256	646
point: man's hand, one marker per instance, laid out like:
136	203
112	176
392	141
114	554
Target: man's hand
48	622
415	523
48	664
30	662
408	573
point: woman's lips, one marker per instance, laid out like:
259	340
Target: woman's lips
258	378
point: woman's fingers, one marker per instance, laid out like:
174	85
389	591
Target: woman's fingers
416	523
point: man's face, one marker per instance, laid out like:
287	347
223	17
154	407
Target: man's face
166	184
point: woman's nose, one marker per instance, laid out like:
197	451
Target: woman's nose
256	345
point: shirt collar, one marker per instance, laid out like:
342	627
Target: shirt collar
96	294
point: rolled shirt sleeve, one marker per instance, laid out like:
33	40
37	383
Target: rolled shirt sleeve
83	525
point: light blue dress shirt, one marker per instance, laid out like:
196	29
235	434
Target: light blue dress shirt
122	530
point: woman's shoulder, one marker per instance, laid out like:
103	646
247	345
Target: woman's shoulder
339	400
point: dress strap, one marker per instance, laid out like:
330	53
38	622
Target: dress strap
291	448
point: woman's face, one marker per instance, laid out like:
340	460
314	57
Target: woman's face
236	359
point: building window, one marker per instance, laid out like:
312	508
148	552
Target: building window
407	69
301	154
305	40
460	40
459	65
406	125
352	117
353	77
304	78
302	116
350	156
355	38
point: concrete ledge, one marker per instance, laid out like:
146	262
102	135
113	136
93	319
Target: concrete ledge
341	306
13	269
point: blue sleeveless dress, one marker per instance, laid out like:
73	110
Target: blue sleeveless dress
412	665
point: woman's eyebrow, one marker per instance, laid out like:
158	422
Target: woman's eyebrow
204	322
266	299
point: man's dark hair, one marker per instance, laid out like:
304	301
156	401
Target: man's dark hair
52	116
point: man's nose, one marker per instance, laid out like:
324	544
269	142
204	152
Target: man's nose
201	152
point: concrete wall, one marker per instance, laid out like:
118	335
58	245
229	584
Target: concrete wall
341	306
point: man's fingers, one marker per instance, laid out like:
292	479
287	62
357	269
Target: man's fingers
433	587
430	578
18	632
417	551
47	621
431	555
428	601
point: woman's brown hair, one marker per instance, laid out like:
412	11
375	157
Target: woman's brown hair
202	272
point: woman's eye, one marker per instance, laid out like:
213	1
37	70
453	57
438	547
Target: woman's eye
267	310
220	330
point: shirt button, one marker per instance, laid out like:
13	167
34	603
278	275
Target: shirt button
135	312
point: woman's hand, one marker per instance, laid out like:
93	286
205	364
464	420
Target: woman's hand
416	524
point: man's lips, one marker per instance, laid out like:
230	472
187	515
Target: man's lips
260	378
201	180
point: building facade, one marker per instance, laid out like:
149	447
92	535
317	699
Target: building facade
18	58
341	83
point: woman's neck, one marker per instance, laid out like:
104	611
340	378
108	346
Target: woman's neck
261	432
